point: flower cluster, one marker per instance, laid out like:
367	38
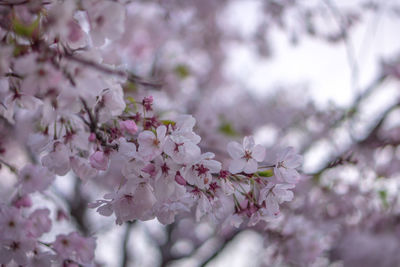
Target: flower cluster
165	173
75	113
20	242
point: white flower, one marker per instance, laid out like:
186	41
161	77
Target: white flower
286	163
113	101
133	201
199	173
181	145
127	150
181	149
246	156
282	193
106	20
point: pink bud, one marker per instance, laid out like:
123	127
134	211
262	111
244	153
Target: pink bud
92	137
150	169
179	179
99	160
147	103
128	126
61	215
23	202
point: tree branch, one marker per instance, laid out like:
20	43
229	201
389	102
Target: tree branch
221	248
125	241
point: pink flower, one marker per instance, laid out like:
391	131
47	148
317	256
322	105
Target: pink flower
179	179
106	20
128	126
57	161
42	259
147	103
92	137
132	201
150	144
22	202
76	247
11	223
16	248
34	178
99	160
39	222
82	168
246	156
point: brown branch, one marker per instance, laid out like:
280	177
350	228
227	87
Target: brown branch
11	167
14	3
125	255
221	248
351	111
102	68
371	137
78	207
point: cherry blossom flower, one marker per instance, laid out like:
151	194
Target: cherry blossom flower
200	172
76	247
22	202
150	144
34	178
246	156
39	76
12	224
129	126
57	160
106	20
182	150
16	248
99	160
39	222
41	258
166	211
273	195
133	201
112	101
172	199
285	166
82	168
147	103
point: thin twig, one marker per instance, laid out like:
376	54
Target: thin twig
11	167
125	250
130	76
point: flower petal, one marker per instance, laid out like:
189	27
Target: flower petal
251	166
258	153
235	150
237	165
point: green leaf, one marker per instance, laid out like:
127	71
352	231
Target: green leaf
26	30
132	101
182	71
266	173
168	122
383	196
130	87
227	129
